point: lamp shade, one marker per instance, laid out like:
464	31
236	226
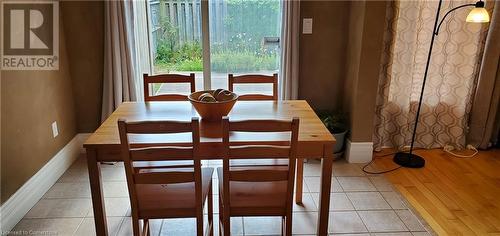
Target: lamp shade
478	15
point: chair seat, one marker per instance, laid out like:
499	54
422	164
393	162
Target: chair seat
171	200
255	198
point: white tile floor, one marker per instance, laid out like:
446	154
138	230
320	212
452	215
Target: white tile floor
360	205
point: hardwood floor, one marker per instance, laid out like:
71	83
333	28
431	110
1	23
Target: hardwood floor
455	196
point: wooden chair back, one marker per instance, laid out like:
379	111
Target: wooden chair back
255	79
158	173
261	151
167	79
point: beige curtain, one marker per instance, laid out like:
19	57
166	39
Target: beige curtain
119	56
289	66
450	83
485	116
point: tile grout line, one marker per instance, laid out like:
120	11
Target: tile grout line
77	227
120	226
359	216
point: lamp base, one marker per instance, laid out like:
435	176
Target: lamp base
409	160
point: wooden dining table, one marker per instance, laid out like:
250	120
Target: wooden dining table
315	141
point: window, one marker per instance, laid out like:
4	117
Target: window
244	39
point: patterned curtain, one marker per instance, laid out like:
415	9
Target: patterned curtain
450	83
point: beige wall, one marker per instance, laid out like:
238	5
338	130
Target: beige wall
340	61
84	28
323	53
30	102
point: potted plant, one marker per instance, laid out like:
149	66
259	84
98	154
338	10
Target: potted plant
335	122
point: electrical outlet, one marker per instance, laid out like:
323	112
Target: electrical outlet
307	26
55	131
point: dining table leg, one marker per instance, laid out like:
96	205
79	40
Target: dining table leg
299	181
325	187
97	193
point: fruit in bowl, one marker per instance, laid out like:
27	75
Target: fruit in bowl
212	105
222	95
207	97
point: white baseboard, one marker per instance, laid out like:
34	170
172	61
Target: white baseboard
14	209
359	152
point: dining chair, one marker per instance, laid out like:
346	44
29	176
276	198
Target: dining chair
255	79
158	187
167	79
257	189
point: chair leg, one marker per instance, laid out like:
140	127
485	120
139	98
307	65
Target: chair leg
199	225
224	217
226	221
146	229
282	225
227	225
299	181
210	212
136	226
288	224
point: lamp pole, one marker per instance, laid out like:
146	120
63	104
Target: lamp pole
409	159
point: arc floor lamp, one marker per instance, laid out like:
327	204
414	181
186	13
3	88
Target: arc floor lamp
478	14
